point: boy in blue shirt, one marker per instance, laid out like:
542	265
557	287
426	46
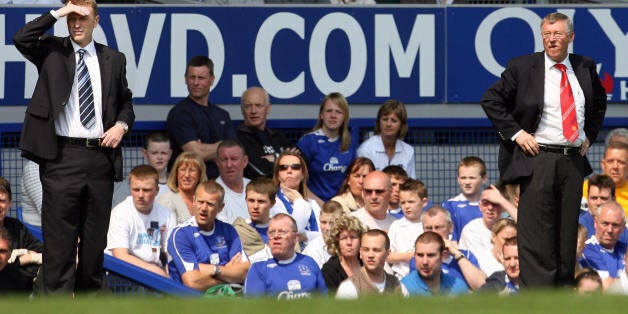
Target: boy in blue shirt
464	207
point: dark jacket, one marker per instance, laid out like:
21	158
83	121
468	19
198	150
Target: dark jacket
55	60
516	102
255	149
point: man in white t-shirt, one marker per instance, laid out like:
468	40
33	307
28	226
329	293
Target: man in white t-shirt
231	160
139	227
157	153
376	194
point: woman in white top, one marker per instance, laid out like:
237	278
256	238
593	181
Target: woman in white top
187	172
387	147
290	176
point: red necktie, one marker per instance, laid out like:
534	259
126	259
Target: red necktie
567	106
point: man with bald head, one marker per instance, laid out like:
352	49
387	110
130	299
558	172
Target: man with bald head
376	191
262	144
603	251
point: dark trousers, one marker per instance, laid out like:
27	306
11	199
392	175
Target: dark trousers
77	192
547	224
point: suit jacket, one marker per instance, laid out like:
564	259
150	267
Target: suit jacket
55	60
516	102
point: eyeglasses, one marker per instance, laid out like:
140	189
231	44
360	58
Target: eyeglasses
377	191
557	35
278	233
292	166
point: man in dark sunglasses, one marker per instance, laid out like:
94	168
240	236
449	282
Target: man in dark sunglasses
376	194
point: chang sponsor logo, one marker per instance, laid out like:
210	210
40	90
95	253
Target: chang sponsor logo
333	166
294	290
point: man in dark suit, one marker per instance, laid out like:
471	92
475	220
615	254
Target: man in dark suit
80	110
547	109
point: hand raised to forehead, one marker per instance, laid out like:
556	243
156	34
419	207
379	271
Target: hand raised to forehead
73	8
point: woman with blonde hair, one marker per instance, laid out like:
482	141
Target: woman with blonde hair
328	149
387	147
187	172
343	243
503	230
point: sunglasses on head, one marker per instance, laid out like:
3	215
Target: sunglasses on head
292	166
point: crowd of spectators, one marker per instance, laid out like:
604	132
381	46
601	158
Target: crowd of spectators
275	236
205	225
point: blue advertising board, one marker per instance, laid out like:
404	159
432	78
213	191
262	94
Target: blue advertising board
482	40
298	54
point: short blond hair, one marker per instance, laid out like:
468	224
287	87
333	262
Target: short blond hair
344	223
186	158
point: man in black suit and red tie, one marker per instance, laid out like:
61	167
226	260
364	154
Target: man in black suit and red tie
80	110
547	108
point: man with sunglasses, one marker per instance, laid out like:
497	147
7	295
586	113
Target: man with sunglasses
376	194
288	275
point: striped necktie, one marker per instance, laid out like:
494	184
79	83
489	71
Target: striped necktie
86	95
567	106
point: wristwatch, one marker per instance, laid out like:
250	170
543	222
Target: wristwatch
459	257
216	270
124	126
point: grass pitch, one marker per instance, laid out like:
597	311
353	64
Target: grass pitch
536	302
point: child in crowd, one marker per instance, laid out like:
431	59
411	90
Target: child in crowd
260	197
397	177
464	207
403	232
588	281
157	153
316	248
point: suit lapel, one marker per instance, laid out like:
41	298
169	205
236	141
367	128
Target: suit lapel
104	62
582	74
538	78
70	68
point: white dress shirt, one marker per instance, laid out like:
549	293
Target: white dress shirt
69	121
550	130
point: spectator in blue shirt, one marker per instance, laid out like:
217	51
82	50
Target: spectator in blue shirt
328	149
428	278
603	251
287	275
206	251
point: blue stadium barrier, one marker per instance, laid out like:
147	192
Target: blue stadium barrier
146	279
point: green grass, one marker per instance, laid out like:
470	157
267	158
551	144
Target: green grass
537	302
